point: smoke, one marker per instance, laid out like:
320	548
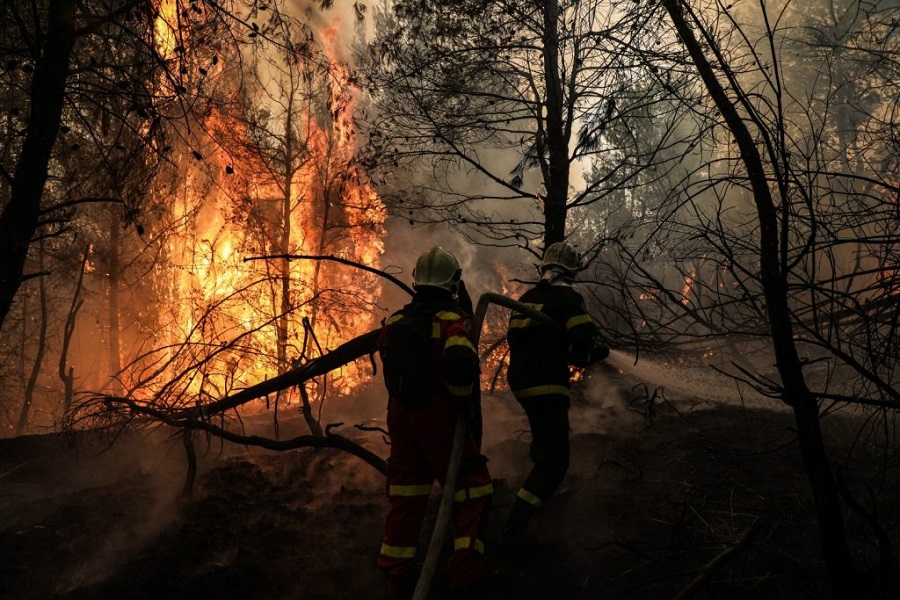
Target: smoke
506	434
599	407
337	23
98	503
684	382
404	242
125	541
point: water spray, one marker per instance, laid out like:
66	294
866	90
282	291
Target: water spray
700	382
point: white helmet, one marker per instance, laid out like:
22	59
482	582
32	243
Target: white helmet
563	256
437	268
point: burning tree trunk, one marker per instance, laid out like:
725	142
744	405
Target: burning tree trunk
290	165
285	271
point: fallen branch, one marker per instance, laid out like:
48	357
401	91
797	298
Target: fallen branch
338	259
713	566
343	354
329	440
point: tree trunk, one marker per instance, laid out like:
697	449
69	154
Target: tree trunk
321	245
835	550
9	130
284	246
557	139
67	375
19	219
39	355
114	349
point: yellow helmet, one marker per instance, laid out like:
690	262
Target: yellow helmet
437	268
562	255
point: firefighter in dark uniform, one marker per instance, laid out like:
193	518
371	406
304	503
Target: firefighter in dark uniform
431	372
539	377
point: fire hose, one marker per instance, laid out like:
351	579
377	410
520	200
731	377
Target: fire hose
445	509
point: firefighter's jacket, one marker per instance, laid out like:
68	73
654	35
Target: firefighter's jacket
453	362
421	441
539	357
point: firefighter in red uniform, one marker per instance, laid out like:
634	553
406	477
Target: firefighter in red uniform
539	377
431	372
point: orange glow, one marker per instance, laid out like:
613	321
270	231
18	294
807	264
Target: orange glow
689	281
165	28
688	285
223	326
88	263
577	374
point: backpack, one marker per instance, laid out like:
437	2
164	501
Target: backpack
406	357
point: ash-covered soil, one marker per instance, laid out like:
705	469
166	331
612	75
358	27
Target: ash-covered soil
653	496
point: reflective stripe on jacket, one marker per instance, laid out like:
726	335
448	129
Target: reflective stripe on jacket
539	357
454	369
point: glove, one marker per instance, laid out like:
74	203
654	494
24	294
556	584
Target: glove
599	352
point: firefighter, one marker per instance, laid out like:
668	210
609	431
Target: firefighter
431	373
539	377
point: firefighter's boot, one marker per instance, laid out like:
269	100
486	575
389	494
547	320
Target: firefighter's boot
401	588
514	533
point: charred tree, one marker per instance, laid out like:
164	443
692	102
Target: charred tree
20	216
558	130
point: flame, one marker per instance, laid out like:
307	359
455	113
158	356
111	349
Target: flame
688	285
164	27
689	281
89	266
223	325
493	348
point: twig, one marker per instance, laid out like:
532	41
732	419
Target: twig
304	441
713	566
337	259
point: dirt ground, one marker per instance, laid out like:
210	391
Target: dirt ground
653	496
